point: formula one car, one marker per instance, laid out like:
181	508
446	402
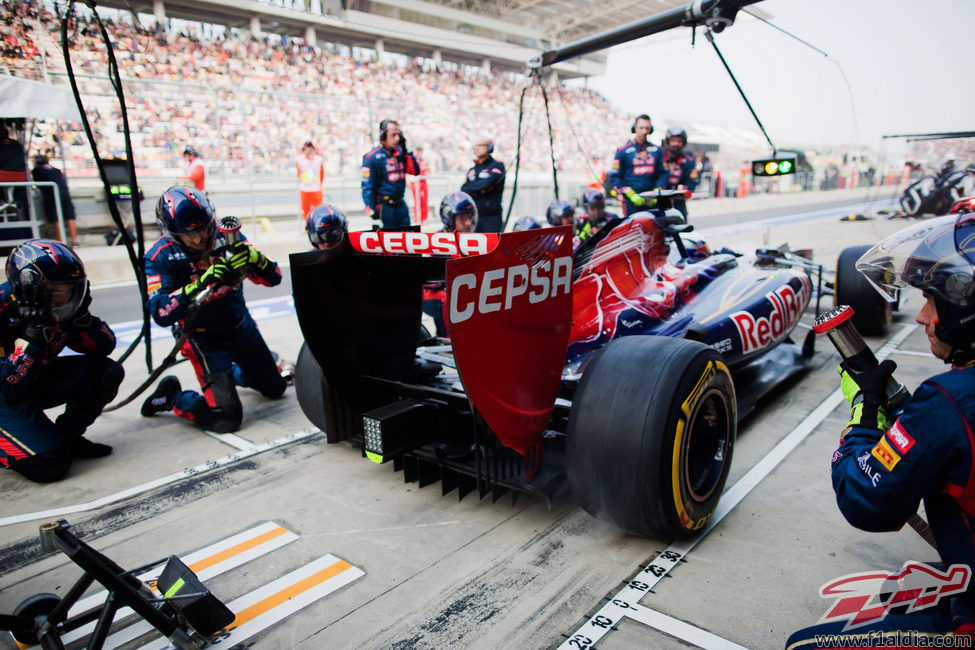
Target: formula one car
618	371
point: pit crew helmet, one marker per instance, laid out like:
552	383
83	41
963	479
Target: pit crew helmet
948	162
558	209
676	131
936	256
526	223
326	225
47	279
593	196
454	205
184	214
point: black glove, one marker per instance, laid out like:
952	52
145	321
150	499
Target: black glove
866	392
218	273
374	215
402	143
33	304
50	338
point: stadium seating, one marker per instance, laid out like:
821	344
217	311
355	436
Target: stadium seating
247	105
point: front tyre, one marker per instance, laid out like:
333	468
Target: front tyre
651	435
871	313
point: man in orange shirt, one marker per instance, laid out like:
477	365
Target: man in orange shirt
311	175
195	173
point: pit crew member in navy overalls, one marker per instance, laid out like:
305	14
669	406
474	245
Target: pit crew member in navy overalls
193	266
886	465
594	203
679	170
384	171
485	184
458	213
44	309
562	213
326	227
636	167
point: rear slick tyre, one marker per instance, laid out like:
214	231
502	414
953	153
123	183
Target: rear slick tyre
320	403
651	435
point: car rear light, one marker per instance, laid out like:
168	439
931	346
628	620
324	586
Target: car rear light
393	429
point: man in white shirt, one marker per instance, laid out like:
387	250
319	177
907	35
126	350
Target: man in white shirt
311	175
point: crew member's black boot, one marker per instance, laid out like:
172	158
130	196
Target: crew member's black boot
163	397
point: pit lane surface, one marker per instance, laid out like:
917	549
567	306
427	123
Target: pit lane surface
441	573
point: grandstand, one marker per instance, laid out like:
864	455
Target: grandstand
247	102
246	86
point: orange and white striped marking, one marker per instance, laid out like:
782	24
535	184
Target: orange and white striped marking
279	599
206	563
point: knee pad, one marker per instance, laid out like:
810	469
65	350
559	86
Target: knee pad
228	412
47	467
277	390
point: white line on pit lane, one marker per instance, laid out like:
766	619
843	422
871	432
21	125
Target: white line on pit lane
625	602
747	226
202	468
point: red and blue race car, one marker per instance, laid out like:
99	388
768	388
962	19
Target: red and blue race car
617	372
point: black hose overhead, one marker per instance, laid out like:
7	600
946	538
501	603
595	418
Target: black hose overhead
514	184
551	141
135	256
731	74
534	79
716	14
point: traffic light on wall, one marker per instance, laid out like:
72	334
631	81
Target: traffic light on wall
777	166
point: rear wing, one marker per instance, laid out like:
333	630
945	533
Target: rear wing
508	309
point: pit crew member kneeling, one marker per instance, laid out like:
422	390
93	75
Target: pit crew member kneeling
194	283
882	469
43	309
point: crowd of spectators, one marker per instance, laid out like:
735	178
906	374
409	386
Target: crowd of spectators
248	104
21	56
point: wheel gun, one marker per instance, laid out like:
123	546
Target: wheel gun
837	324
839	327
229	226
